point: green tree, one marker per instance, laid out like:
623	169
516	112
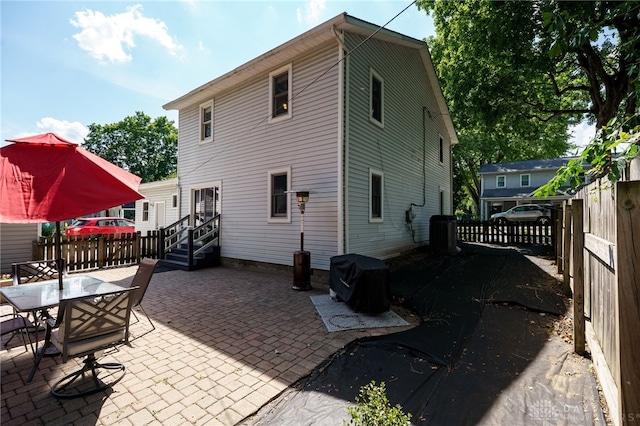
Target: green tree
145	147
517	74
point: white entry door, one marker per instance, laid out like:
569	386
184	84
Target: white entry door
205	203
160	214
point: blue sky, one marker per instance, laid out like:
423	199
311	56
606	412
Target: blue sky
68	64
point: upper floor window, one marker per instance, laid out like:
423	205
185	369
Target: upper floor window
441	150
525	180
279	206
174	201
376	191
280	93
206	122
376	99
501	181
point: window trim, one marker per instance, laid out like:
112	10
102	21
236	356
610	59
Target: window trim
372	173
441	158
498	181
174	201
373	74
145	211
203	106
272	75
270	174
528	180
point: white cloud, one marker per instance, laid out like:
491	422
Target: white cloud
107	37
73	131
582	134
312	13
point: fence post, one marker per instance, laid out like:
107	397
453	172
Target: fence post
566	249
556	239
190	248
102	251
136	246
160	249
578	277
628	283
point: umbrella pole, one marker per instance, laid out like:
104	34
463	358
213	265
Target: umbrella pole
59	254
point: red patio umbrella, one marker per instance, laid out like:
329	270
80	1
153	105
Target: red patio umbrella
45	178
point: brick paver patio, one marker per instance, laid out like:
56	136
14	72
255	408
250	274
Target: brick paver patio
227	341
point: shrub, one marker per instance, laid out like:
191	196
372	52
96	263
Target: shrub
373	409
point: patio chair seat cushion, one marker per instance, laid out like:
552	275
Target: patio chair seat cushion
89	345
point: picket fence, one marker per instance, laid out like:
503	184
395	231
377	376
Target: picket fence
517	233
98	251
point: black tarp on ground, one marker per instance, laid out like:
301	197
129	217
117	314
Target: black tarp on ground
483	353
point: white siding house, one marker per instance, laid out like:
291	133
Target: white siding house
159	207
358	119
505	185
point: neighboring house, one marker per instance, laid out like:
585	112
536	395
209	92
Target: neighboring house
505	185
159	207
351	113
16	244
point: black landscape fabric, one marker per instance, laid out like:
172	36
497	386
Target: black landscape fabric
483	353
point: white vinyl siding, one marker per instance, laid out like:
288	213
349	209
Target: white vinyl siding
411	131
248	146
16	243
161	192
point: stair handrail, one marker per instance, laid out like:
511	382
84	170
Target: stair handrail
174	234
208	233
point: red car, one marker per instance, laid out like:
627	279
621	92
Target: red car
100	225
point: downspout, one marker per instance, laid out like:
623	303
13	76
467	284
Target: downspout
342	242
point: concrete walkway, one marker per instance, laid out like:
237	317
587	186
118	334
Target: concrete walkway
227	341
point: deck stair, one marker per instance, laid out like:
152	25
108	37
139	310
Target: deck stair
190	248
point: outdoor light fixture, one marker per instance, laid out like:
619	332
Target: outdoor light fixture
303	197
302	258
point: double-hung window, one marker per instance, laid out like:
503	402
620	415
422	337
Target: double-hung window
376	191
280	94
501	181
145	211
206	122
525	180
376	98
278	197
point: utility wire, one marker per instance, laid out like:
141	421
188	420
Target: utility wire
315	80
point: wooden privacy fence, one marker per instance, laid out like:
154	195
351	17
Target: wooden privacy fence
99	251
601	250
530	233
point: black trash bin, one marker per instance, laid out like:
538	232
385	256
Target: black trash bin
362	282
442	234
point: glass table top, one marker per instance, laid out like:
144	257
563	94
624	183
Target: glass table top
45	294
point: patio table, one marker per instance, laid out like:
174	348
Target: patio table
39	297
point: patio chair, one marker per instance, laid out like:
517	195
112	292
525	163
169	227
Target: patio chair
87	325
36	270
141	280
17	324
